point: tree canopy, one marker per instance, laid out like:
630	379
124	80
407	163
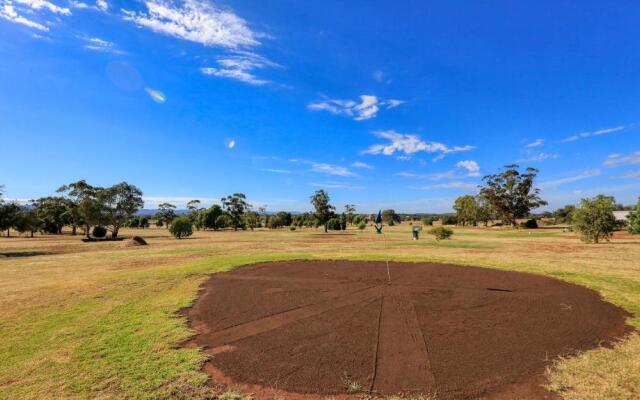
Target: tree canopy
594	219
511	193
323	208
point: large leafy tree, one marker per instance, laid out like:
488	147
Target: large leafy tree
594	219
119	203
85	198
207	218
27	220
236	206
166	213
323	208
53	212
511	193
466	210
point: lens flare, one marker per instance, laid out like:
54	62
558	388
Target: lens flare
231	143
156	95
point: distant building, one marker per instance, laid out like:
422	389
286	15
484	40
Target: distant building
621	215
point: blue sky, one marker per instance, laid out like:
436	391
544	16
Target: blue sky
402	104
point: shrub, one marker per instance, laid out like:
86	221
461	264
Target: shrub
449	220
441	233
334	224
530	224
594	220
362	225
223	221
427	221
634	220
292	228
181	227
99	232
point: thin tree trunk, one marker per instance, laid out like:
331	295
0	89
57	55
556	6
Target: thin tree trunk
73	230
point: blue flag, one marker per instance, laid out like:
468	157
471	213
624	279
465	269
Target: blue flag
379	217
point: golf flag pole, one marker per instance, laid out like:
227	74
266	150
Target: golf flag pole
379	231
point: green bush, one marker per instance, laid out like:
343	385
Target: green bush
292	228
181	227
634	220
334	224
594	219
449	220
99	232
362	225
427	221
440	232
530	224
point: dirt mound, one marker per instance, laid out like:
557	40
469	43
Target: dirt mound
134	241
323	327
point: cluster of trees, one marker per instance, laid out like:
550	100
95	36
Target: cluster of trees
78	204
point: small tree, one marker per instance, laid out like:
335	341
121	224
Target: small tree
466	210
84	196
362	225
511	193
634	220
27	220
8	215
119	202
236	206
323	209
390	217
181	227
194	211
349	210
210	216
594	219
166	213
252	219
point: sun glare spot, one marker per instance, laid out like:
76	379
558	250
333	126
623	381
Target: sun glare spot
156	95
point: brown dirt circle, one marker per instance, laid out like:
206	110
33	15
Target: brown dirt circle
318	328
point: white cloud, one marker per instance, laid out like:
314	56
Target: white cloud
599	132
179	201
409	144
337	185
8	12
102	5
533	157
569	179
44	5
623	159
359	164
327	169
367	108
100	45
536	143
472	167
239	66
448	185
275	170
196	21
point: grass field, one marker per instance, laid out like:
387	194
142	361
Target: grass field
98	320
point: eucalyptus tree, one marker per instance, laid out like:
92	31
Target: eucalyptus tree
166	213
236	206
511	193
119	203
85	198
323	208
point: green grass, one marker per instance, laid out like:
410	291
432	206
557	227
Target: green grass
102	322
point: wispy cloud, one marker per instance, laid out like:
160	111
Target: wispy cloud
448	185
196	21
44	5
362	165
100	45
337	185
8	12
614	160
327	169
275	170
409	144
569	179
535	157
178	201
100	5
240	66
598	132
536	143
367	108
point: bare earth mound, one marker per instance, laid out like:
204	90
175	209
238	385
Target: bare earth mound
331	327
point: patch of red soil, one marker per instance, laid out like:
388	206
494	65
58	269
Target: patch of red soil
316	328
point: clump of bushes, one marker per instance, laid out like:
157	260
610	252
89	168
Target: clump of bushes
530	224
441	233
181	227
99	232
362	225
292	228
